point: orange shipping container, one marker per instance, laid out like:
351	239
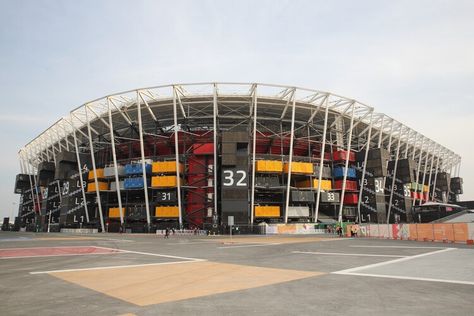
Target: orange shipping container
165	181
267	211
167	211
268	166
114	212
103	186
166	167
299	167
100	174
325	184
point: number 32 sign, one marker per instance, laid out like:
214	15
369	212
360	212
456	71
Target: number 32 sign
234	178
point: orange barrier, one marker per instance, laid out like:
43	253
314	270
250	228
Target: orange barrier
445	232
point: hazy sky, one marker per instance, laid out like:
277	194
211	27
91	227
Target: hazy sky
413	60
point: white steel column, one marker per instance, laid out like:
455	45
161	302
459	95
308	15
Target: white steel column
142	152
394	175
367	146
406	148
114	156
321	160
91	145
436	176
418	168
424	172
254	146
29	170
79	168
381	132
290	159
176	150
346	166
431	171
37	192
214	135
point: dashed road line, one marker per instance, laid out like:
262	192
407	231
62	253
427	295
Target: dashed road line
348	254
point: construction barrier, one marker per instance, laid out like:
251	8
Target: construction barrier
79	230
182	232
275	229
446	232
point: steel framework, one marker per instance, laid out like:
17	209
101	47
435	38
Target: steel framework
170	111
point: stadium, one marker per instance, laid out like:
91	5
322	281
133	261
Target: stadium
197	155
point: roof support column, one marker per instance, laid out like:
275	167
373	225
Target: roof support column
91	145
142	153
418	168
346	165
79	168
114	157
176	151
364	167
290	159
321	159
254	147
394	175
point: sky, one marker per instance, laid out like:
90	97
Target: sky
412	60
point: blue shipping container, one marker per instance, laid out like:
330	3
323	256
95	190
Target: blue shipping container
134	183
339	172
136	168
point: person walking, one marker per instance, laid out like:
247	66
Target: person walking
167	232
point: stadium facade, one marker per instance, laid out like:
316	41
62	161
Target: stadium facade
191	155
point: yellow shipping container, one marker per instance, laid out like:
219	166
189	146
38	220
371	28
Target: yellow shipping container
114	212
268	166
166	211
267	211
165	181
103	186
325	184
100	174
426	188
166	167
299	167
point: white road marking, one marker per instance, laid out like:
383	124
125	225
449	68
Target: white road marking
152	254
63	255
116	267
350	271
408	278
247	246
336	238
121	240
348	254
399	247
193	242
57	247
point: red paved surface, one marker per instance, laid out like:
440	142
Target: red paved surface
53	251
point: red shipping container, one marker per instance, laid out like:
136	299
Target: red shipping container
350	185
414	195
341	155
351	198
203	149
